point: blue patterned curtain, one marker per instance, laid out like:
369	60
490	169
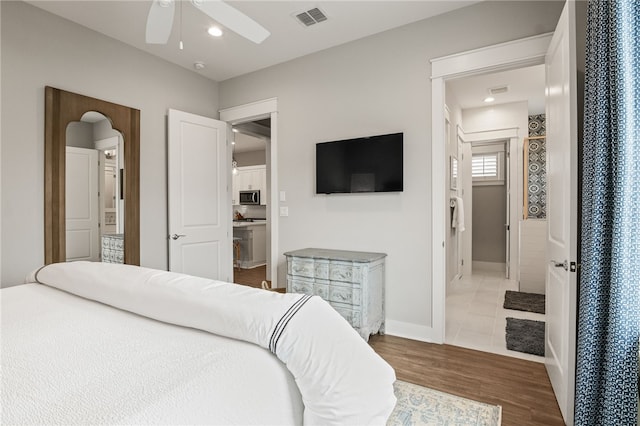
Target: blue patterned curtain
609	296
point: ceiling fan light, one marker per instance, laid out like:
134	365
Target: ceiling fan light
214	31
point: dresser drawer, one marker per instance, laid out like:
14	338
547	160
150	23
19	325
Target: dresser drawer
295	285
301	267
321	269
348	295
352	316
345	272
321	290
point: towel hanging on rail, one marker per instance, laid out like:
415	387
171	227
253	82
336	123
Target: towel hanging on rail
457	219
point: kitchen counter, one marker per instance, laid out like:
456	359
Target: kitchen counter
253	244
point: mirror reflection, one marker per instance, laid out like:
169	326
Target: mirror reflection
94	202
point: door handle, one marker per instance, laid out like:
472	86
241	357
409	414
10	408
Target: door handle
557	264
176	236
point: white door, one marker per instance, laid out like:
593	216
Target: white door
82	210
562	166
199	210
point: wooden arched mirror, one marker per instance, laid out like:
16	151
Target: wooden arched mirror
62	108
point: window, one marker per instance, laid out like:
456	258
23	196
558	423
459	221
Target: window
487	165
484	166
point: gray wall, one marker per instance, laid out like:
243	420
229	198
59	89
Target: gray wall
489	217
40	49
80	135
103	130
251	158
379	84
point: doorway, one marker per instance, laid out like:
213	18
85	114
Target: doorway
558	52
249	200
493	114
260	110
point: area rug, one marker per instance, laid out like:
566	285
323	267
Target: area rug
521	301
525	336
418	405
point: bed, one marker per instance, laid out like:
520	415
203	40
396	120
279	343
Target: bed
96	343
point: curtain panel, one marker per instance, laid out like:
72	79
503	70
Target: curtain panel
609	291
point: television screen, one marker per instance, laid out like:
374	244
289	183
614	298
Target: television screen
371	164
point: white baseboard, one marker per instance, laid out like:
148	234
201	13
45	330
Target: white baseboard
409	331
489	266
245	264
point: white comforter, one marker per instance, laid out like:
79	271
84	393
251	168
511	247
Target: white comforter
339	377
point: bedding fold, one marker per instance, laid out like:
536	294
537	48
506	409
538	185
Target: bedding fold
341	379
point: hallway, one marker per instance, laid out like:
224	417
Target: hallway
475	318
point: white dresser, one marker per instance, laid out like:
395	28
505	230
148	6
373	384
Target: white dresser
113	248
351	281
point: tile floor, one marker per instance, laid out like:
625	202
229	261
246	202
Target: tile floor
475	316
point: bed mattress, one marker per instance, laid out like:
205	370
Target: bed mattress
69	360
91	343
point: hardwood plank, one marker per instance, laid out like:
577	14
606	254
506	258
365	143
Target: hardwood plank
521	387
252	277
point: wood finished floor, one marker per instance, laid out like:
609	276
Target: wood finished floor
521	387
252	277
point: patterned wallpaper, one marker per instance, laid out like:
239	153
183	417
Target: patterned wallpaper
537	169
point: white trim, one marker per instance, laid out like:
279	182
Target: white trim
438	219
516	53
250	112
513	54
491	135
409	331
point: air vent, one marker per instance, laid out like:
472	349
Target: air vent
311	17
498	90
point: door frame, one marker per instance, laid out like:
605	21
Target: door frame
267	108
500	57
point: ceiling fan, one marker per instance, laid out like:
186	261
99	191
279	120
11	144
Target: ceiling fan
160	20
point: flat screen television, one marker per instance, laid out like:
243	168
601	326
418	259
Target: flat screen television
370	164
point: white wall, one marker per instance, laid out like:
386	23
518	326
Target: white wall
376	85
41	49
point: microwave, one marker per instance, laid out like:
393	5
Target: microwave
250	198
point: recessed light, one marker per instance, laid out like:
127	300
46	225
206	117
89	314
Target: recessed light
215	32
233	129
489	99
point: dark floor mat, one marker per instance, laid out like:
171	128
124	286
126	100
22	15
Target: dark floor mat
521	301
525	336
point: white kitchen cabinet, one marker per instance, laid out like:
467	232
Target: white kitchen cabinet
250	178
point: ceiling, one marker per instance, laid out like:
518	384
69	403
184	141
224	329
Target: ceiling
232	55
247	143
525	84
252	135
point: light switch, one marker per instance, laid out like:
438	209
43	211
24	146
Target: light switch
284	211
283	196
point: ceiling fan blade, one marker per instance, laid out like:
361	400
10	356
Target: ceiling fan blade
233	19
160	21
